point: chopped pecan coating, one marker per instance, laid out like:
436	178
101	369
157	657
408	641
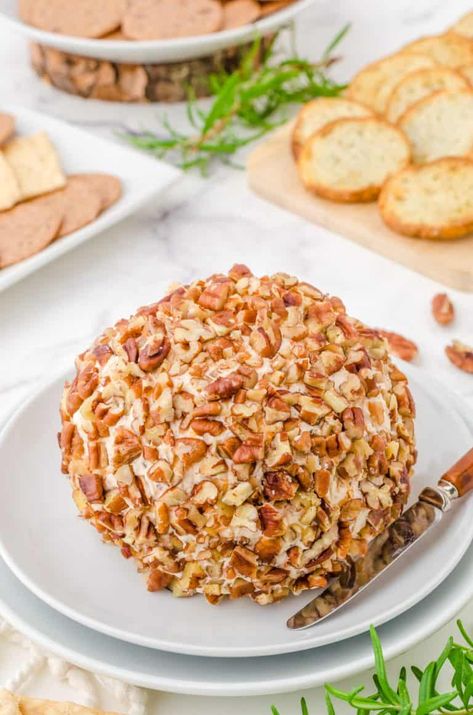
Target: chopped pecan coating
241	437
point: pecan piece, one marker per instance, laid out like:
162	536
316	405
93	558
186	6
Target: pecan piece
442	309
127	447
87	381
239	270
92	487
279	485
215	296
157	580
271	520
202	426
244	561
225	387
353	422
131	349
151	356
264	343
460	355
251	450
190	450
399	345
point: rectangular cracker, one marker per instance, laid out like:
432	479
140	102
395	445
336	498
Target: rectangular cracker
9	189
35	163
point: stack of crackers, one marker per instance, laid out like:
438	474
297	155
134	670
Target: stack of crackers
38	202
11	704
144	19
402	134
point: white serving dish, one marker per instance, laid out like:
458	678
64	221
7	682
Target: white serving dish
61	559
152	51
191	675
79	151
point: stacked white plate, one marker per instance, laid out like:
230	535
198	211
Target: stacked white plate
78	598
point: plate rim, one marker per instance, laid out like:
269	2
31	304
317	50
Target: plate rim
450	608
212	651
167	174
193	46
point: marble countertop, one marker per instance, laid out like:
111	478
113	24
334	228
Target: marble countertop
203	226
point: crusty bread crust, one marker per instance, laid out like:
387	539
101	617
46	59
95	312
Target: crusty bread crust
420	84
360	193
313	112
455	171
432	139
374	83
449	49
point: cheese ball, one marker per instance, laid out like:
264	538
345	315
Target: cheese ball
242	437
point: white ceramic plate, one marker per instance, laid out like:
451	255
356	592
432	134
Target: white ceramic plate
80	151
61	559
152	51
192	675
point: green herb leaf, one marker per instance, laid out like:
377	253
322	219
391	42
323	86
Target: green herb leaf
247	103
454	656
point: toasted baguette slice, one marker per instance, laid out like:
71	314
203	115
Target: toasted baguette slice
420	84
430	201
449	49
321	111
466	71
440	125
350	159
464	26
373	85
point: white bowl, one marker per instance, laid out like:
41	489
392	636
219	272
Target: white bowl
151	51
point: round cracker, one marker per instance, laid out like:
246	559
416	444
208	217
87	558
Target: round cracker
7	127
440	125
430	201
87	18
349	160
108	187
420	84
449	49
240	12
375	82
26	230
319	112
166	19
78	203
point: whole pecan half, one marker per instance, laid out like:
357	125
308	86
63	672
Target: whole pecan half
460	355
442	309
151	356
399	345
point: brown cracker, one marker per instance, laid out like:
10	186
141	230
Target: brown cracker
165	19
87	18
108	187
27	229
240	12
77	203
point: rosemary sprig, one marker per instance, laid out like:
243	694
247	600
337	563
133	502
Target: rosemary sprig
247	103
389	699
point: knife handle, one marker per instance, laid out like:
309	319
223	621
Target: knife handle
461	474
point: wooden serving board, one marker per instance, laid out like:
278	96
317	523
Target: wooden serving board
272	174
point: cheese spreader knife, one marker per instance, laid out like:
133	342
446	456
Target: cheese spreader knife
389	546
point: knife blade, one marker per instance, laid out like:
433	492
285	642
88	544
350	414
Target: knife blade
389	546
